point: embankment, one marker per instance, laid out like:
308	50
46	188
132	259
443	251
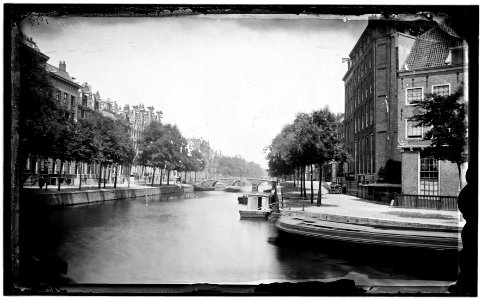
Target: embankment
68	198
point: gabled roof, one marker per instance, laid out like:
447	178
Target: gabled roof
432	48
60	73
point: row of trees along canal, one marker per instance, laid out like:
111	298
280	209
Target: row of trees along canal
46	129
312	139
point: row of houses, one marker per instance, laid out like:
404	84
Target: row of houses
391	68
81	102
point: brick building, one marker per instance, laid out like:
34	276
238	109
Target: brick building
66	90
437	64
371	120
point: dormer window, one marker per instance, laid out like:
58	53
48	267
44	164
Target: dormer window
456	56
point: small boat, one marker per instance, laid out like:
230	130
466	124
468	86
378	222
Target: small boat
203	188
257	206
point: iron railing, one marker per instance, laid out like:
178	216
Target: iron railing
426	202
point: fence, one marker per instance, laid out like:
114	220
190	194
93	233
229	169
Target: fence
424	201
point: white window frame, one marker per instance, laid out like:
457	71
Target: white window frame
443	84
412	138
420	177
406	95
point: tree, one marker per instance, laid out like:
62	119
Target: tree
197	162
122	149
162	146
38	111
85	143
64	143
446	118
327	146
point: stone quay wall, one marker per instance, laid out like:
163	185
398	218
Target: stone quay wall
85	197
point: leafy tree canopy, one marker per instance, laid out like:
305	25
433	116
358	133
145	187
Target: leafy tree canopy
446	120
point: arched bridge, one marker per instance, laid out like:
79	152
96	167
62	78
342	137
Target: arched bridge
235	181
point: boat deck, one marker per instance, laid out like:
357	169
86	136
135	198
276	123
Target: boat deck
369	234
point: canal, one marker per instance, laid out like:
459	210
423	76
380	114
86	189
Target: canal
199	238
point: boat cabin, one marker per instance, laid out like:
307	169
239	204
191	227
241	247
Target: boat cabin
258	202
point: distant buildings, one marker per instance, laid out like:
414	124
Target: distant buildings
208	155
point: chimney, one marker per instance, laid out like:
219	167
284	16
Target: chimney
62	66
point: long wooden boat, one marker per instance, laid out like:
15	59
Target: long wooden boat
373	235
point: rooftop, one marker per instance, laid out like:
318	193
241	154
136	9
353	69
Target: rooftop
63	74
432	48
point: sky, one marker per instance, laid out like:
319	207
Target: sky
234	80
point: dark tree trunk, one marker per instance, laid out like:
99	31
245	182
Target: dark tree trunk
185	176
153	176
100	175
195	176
304	182
168	174
301	181
318	201
115	178
109	174
311	179
60	173
294	178
105	172
80	176
160	179
47	178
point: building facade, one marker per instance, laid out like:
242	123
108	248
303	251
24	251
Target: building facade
66	90
371	118
437	64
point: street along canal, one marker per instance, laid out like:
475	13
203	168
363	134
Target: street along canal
200	238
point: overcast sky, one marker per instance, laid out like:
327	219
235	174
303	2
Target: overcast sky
232	80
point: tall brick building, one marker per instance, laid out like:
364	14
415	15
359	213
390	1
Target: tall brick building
371	115
437	64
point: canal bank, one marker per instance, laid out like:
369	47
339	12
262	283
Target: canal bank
91	194
344	208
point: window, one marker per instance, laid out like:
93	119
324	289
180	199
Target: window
428	175
414	95
413	131
361	91
65	98
72	101
355	119
371	112
58	95
441	90
362	118
367	108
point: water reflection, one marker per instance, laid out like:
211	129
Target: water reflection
192	238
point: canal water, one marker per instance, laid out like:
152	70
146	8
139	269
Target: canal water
198	238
